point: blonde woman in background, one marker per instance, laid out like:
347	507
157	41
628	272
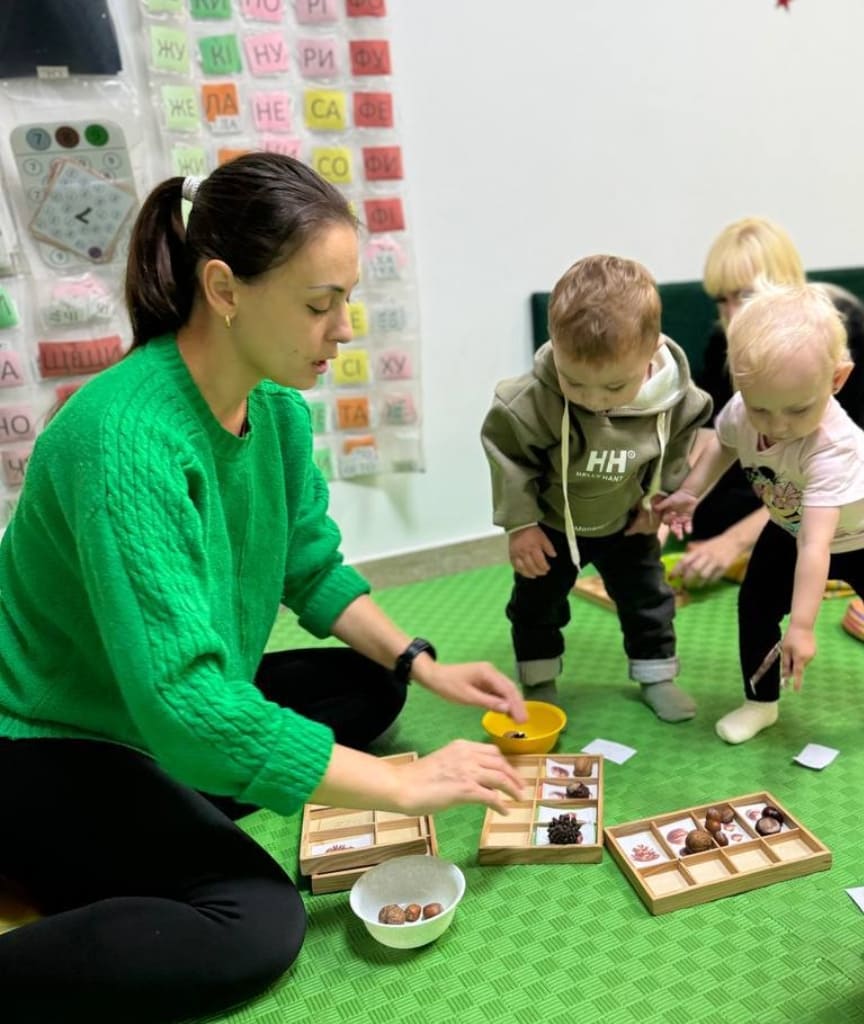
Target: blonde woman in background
728	522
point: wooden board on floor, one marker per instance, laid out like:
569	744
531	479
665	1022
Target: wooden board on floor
521	837
338	844
651	855
593	589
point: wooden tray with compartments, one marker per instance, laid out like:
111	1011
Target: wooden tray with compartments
651	854
521	837
338	844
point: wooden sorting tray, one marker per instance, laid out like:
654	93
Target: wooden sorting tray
520	837
338	844
648	851
341	879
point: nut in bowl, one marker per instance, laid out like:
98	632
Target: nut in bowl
417	881
538	735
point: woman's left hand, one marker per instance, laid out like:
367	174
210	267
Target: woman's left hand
477	683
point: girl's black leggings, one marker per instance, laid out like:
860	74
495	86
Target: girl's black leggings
156	906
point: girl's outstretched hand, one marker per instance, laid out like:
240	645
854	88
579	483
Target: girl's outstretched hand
798	649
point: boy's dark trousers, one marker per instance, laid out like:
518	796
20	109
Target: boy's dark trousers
635	579
766	597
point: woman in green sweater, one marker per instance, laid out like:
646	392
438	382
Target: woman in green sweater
169	507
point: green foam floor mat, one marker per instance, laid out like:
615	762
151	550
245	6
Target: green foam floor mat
565	943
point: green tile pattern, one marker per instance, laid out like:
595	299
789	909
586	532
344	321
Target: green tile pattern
569	943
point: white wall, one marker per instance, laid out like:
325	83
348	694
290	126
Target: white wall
536	133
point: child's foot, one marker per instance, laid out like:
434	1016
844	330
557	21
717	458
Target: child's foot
668	701
745	722
547	692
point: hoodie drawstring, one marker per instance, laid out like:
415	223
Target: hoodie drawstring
569	529
657	475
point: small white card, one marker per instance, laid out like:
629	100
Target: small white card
857	895
814	755
617	752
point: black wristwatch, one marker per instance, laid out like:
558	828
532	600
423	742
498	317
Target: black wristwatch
402	669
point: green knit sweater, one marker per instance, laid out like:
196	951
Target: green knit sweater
143	569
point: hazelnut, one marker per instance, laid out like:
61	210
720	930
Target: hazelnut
582	766
770	811
721	839
413	912
698	840
432	910
392	913
578	791
767	826
514	734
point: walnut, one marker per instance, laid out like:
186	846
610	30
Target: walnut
392	913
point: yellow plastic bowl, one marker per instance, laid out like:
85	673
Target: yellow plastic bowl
545	722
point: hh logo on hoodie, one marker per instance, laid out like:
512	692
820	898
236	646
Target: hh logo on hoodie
608	464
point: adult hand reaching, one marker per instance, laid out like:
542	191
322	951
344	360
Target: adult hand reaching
463	772
475	683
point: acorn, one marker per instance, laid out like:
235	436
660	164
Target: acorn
698	840
582	766
713	825
713	814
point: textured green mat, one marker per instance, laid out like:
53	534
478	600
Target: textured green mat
562	944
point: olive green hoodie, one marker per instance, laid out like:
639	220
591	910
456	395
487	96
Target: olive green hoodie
590	480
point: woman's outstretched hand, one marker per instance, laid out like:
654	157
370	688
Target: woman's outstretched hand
463	772
475	683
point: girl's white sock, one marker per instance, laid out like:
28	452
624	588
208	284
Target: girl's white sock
745	722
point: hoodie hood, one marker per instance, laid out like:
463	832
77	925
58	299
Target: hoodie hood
552	461
662	389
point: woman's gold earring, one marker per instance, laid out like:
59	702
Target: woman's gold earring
228	321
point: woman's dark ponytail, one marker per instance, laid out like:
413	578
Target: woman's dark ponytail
160	278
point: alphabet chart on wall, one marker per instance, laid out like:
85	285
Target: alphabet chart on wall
311	79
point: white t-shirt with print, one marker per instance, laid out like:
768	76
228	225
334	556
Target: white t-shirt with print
825	469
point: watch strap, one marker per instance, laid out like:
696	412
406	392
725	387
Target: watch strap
405	661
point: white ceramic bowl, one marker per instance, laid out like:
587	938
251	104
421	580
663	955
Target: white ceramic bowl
417	878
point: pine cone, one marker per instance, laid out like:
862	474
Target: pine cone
565	830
